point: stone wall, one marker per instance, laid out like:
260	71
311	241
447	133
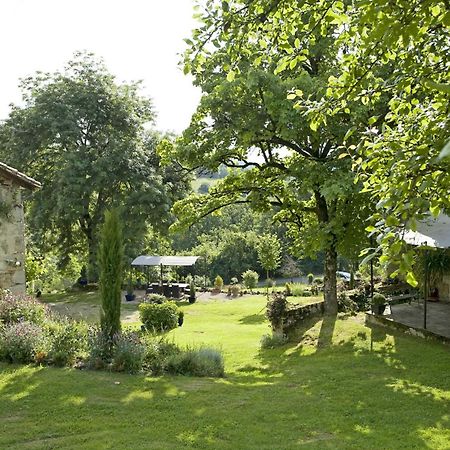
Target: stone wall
382	321
12	245
444	288
294	315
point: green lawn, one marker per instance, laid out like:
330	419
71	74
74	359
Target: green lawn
341	385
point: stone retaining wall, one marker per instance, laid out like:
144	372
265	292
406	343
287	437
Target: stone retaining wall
373	319
295	314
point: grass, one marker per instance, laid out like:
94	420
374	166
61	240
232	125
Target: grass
85	306
339	385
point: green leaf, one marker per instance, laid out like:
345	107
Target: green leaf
231	76
445	88
435	209
445	152
435	10
411	279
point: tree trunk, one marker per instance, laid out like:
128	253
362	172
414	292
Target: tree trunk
329	281
92	257
330	266
88	229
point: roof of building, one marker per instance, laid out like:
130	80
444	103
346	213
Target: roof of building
430	232
146	260
19	177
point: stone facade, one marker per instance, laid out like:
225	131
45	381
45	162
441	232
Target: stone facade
444	288
12	228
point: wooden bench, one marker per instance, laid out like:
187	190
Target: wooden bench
401	298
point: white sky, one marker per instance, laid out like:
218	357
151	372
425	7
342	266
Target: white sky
138	39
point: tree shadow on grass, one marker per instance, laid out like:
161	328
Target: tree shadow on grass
357	389
253	319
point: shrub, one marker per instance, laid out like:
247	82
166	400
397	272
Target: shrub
345	303
218	283
21	342
307	294
159	317
235	290
276	309
155	298
192	290
128	352
158	351
288	289
297	290
250	279
361	296
201	362
99	348
378	299
22	308
234	280
67	341
270	283
310	278
273	340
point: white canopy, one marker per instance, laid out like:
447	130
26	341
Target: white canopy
431	232
145	260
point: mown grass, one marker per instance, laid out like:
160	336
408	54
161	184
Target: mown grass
85	306
340	385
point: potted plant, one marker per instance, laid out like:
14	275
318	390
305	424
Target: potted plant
180	317
83	279
192	292
129	296
378	303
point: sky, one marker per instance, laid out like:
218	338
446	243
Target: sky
138	40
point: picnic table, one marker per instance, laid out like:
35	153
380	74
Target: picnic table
169	290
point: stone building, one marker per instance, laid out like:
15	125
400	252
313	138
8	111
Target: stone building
12	240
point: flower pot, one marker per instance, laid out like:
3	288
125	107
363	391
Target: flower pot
378	309
191	300
130	297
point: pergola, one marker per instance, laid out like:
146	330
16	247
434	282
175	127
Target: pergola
430	233
161	261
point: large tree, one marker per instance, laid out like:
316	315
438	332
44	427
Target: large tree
382	48
246	120
82	134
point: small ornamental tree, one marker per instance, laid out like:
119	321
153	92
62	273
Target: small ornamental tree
250	279
269	252
218	283
110	260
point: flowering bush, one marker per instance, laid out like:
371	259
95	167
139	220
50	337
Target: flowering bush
21	342
128	353
67	341
199	362
20	307
99	348
158	352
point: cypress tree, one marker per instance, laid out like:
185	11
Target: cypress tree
110	260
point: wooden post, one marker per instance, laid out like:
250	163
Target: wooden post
425	294
371	273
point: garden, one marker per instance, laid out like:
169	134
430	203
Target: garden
336	384
318	154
